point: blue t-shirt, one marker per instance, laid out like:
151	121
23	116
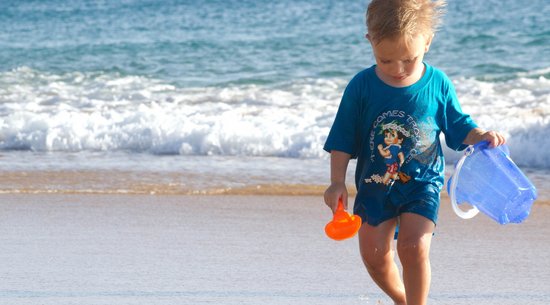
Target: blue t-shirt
394	132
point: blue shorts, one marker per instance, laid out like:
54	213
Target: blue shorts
423	201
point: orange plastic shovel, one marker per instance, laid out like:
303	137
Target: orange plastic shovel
343	225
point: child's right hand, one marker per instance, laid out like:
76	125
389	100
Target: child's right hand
333	193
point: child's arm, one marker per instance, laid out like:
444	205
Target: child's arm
338	168
477	134
383	151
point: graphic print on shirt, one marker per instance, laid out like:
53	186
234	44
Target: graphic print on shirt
393	141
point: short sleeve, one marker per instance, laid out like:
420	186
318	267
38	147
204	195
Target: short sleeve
457	124
344	134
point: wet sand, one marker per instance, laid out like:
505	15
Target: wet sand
143	249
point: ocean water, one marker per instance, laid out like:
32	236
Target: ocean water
210	86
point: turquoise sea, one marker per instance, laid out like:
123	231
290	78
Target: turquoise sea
260	78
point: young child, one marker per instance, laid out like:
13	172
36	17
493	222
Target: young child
404	103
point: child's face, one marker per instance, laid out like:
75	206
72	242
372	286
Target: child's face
399	64
390	137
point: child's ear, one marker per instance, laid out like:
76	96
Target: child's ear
368	37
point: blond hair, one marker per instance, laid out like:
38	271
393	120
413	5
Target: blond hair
403	18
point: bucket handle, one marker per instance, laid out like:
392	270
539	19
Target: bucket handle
454	181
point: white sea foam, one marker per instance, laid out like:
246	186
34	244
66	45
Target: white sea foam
111	112
519	108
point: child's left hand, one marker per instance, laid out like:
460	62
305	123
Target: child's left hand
493	137
477	135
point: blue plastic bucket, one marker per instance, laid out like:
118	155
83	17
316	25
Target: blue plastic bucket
490	181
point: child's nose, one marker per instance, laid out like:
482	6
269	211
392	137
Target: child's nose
398	68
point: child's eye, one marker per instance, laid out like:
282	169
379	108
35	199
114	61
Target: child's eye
409	61
385	62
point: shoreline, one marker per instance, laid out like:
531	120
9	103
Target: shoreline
263	190
123	174
116	182
138	174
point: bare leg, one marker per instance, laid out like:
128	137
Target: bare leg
375	244
413	247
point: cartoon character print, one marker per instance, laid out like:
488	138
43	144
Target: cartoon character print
392	154
398	142
392	149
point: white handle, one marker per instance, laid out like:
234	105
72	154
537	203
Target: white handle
452	192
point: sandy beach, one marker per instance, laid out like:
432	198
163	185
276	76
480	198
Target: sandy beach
231	249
